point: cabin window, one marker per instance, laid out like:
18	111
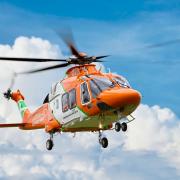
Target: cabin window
65	100
72	99
85	98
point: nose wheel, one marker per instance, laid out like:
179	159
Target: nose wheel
49	143
124	126
119	126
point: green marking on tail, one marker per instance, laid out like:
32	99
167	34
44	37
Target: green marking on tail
22	107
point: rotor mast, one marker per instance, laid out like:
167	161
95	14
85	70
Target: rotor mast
82	70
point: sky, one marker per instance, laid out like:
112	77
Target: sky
125	30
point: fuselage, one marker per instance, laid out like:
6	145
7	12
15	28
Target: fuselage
89	100
86	100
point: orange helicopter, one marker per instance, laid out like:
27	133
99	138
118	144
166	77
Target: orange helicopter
85	100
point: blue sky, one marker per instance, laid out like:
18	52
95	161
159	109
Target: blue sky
122	29
110	27
91	9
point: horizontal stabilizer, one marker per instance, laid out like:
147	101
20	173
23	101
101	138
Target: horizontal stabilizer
12	125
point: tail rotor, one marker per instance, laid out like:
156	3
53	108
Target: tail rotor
7	94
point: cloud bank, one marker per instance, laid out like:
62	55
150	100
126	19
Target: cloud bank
148	150
150	146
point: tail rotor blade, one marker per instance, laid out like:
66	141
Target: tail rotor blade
13	80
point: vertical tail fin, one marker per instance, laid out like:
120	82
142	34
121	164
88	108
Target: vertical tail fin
19	99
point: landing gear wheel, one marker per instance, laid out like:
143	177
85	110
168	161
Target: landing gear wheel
49	144
124	126
104	142
117	127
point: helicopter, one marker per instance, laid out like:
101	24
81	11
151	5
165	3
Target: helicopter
86	100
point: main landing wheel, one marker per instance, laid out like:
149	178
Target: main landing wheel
124	126
117	127
104	142
49	144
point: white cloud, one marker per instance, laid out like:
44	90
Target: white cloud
34	47
82	157
157	130
28	47
149	140
23	47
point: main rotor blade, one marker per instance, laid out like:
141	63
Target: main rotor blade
45	69
73	50
162	44
67	36
30	59
100	57
98	60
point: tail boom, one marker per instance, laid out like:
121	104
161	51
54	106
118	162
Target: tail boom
20	125
39	119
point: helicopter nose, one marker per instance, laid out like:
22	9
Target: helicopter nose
125	99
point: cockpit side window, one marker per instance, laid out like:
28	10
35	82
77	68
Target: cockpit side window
85	97
95	89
